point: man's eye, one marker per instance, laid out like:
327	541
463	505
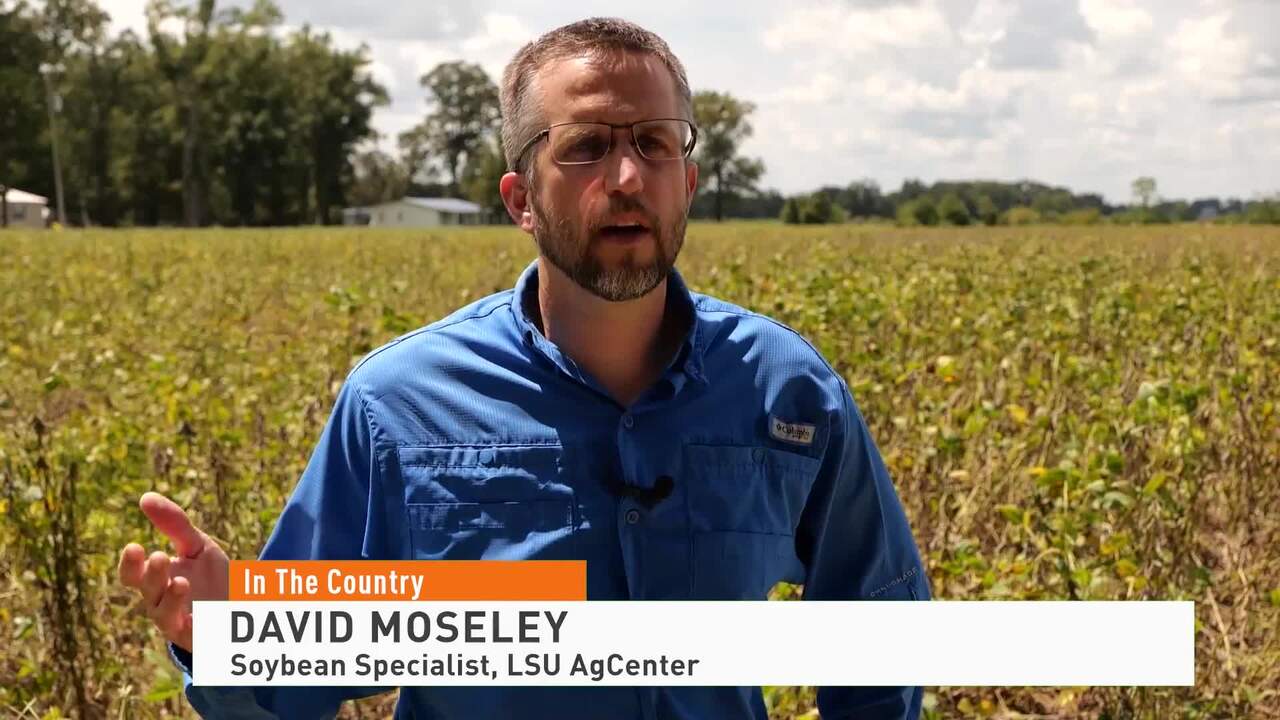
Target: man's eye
656	145
583	149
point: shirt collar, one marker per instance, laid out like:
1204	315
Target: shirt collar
688	360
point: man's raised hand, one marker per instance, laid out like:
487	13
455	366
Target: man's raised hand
167	585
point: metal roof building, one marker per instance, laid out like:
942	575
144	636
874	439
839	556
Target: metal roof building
417	212
24	209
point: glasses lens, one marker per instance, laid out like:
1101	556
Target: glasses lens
588	142
663	139
579	143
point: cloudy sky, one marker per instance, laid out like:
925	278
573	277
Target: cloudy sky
1088	94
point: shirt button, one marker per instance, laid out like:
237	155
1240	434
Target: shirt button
633	516
628	422
758	455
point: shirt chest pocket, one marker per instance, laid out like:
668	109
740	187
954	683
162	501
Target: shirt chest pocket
744	505
487	503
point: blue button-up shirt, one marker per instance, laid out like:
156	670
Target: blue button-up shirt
476	437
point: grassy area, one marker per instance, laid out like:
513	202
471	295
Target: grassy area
1085	413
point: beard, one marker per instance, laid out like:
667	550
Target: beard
569	246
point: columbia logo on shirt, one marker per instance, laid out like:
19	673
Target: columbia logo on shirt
797	433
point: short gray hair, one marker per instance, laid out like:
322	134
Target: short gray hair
602	38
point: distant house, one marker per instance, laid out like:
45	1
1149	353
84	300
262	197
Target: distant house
416	212
1206	214
24	209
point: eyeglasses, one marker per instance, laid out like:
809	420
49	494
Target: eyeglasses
583	143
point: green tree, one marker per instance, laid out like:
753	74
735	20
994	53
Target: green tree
66	31
862	198
912	189
71	26
791	212
1051	203
335	109
85	80
215	116
1087	216
1177	211
483	172
379	178
182	62
465	115
1020	216
415	153
722	126
1263	211
148	141
24	153
920	211
1144	190
952	210
96	113
819	209
987	212
255	136
813	209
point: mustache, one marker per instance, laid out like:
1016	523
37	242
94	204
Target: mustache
619	205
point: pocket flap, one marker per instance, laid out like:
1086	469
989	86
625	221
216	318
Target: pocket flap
746	457
487	475
746	489
527	515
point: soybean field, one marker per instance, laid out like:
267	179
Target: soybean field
1067	413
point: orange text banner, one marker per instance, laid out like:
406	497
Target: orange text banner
391	580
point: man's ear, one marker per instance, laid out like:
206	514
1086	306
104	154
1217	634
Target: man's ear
515	195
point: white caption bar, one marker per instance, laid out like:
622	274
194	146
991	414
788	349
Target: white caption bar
694	643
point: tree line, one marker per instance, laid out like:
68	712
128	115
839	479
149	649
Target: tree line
223	116
982	202
212	116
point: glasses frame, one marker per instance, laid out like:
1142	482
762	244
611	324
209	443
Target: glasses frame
546	133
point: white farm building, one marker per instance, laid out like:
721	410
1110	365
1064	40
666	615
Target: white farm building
416	212
23	209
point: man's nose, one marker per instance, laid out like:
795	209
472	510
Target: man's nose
624	166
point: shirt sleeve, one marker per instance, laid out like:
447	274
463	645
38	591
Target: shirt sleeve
856	544
335	513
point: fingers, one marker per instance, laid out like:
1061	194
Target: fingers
155	580
171	520
132	560
166	599
170	614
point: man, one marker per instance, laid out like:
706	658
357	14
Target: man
684	447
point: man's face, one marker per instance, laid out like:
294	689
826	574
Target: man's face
580	212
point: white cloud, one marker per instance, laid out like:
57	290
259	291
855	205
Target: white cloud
857	31
1116	18
821	88
1088	104
385	76
1226	58
986	25
1271	118
1208	57
497	39
127	15
976	89
498	32
419	56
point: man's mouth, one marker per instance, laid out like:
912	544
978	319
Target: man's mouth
624	232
